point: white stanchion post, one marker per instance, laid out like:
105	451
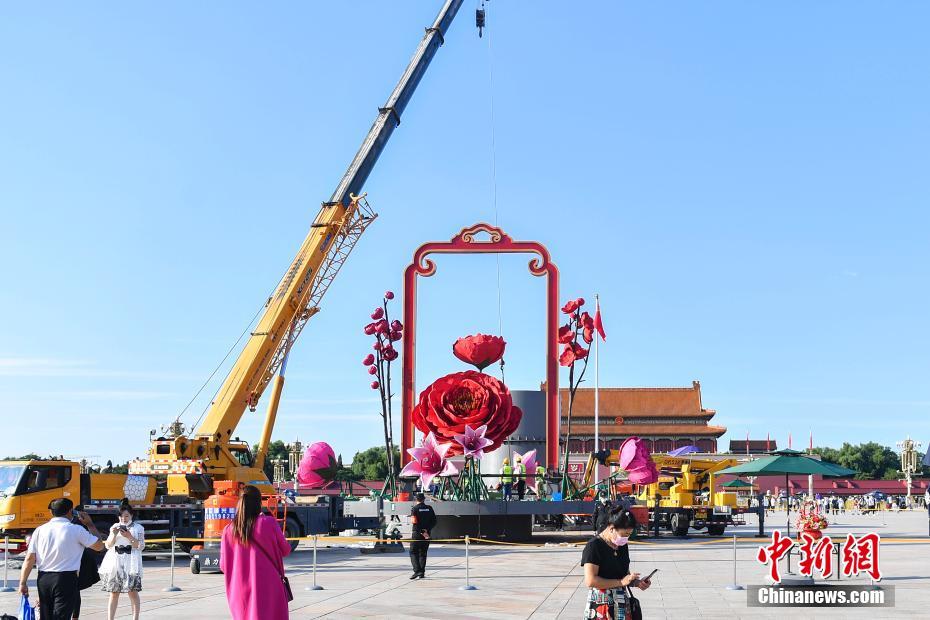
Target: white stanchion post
171	587
467	585
315	585
734	585
6	564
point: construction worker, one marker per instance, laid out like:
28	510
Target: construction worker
540	482
519	474
507	479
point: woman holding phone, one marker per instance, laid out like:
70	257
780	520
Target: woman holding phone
606	562
121	569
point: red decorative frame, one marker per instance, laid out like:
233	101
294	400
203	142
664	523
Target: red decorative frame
465	243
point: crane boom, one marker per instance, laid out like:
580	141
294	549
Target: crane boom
211	453
389	114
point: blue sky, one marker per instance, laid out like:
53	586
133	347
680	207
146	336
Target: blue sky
744	184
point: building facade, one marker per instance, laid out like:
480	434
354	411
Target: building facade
667	418
752	446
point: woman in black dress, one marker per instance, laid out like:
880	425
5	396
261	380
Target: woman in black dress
606	562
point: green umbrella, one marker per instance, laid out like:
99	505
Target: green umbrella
736	484
787	462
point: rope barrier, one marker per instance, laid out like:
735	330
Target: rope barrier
360	539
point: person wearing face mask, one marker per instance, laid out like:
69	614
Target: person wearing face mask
606	562
602	511
121	569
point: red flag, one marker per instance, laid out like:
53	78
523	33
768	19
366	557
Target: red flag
598	324
747	442
768	445
789	441
811	447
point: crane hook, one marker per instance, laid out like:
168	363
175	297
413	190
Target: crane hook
480	19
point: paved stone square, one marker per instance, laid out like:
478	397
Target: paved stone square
542	581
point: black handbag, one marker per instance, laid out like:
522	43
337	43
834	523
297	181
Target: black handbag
88	575
284	580
636	610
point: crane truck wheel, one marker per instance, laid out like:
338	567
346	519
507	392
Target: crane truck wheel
716	529
195	566
292	530
680	523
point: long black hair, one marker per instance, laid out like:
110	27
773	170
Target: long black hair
621	519
247	512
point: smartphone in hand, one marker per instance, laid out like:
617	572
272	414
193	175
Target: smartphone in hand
646	578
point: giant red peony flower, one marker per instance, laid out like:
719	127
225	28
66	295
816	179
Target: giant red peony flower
467	398
479	350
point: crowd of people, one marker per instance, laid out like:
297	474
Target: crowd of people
865	503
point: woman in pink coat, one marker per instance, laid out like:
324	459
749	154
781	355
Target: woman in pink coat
252	560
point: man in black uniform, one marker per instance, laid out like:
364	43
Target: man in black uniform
423	520
601	514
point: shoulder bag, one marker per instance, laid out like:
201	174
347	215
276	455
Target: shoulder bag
636	610
287	584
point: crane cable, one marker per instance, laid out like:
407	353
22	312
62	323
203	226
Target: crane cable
218	366
481	24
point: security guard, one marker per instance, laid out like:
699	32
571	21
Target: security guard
507	479
423	520
601	516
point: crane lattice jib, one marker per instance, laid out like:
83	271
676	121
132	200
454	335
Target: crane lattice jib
297	297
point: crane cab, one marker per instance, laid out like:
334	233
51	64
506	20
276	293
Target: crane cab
191	464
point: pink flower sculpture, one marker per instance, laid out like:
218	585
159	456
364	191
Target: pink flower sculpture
636	460
529	463
474	442
318	466
634	453
644	475
429	461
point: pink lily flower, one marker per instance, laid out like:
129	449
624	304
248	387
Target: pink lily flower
529	463
474	442
429	461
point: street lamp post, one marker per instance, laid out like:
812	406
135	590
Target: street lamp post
908	462
294	452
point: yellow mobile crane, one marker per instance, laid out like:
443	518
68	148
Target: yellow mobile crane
684	495
193	462
684	492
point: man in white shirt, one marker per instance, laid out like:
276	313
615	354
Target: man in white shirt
56	549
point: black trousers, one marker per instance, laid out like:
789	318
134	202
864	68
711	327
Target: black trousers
521	489
418	550
58	593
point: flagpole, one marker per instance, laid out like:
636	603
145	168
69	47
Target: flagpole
810	477
597	419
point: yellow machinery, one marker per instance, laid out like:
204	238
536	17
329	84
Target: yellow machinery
686	496
211	453
27	487
685	490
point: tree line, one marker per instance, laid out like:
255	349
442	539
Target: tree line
871	461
